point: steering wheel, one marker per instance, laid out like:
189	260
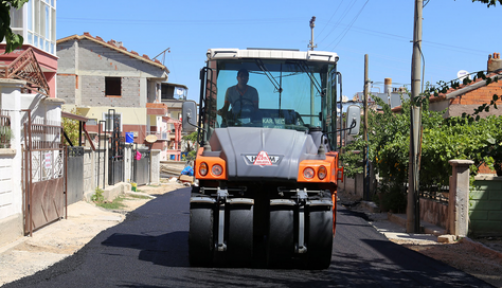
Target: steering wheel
243	105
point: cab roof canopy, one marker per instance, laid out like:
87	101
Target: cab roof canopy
278	54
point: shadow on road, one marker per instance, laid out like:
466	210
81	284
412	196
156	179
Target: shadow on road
169	249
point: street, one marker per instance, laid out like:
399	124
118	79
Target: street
150	249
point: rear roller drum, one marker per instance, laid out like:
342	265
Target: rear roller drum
240	234
200	236
319	237
281	243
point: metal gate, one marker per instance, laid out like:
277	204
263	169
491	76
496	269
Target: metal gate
44	179
140	169
115	151
75	172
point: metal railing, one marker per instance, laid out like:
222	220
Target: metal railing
5	130
435	192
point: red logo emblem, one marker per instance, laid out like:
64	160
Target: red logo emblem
262	159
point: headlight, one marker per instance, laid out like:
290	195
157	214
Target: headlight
203	169
322	172
216	170
308	173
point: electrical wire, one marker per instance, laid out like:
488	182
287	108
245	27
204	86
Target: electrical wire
350	25
333	15
345	13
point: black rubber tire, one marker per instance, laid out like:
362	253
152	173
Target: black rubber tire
319	238
200	235
240	235
281	242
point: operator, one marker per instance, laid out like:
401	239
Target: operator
240	96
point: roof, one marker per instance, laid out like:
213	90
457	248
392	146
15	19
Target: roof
117	46
175	84
463	89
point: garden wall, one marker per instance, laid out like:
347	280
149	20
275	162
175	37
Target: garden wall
485	201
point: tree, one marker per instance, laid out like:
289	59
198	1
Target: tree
14	41
489	2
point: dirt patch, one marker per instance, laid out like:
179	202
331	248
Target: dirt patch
466	257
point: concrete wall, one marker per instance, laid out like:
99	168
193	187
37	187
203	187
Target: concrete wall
485	211
155	166
355	186
434	212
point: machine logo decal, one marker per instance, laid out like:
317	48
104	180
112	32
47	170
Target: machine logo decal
261	159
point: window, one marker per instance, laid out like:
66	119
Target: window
109	118
41	24
113	86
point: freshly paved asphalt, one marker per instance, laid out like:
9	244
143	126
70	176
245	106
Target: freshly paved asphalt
150	249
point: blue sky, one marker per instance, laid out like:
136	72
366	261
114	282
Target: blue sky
457	35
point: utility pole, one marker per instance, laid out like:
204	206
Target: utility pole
312	95
413	209
366	182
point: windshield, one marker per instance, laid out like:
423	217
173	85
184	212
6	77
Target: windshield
270	94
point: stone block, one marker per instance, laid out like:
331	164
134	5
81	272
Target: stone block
447	239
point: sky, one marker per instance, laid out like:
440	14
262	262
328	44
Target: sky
457	35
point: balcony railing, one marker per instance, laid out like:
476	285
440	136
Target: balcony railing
5	131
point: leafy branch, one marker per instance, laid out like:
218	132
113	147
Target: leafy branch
13	40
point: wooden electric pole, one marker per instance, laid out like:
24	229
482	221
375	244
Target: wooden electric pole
413	209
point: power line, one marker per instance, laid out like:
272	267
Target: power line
345	13
333	15
350	26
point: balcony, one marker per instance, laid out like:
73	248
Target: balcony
164	135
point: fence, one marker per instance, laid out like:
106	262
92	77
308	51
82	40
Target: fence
75	170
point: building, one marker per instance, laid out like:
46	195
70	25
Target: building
104	81
28	99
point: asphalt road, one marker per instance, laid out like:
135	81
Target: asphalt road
150	249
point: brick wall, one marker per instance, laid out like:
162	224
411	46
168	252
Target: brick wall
485	211
66	87
473	99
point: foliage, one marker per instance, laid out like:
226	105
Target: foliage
465	137
71	128
13	41
98	195
100	201
391	198
190	142
5	136
489	2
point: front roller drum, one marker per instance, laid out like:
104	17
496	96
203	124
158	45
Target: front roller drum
240	231
200	235
281	240
319	234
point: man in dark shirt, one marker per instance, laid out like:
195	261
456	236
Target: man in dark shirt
241	96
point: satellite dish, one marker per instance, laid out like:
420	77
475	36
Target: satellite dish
462	74
151	139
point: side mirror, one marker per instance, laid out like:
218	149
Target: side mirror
189	116
353	119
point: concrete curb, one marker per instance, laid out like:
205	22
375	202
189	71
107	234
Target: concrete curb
132	193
